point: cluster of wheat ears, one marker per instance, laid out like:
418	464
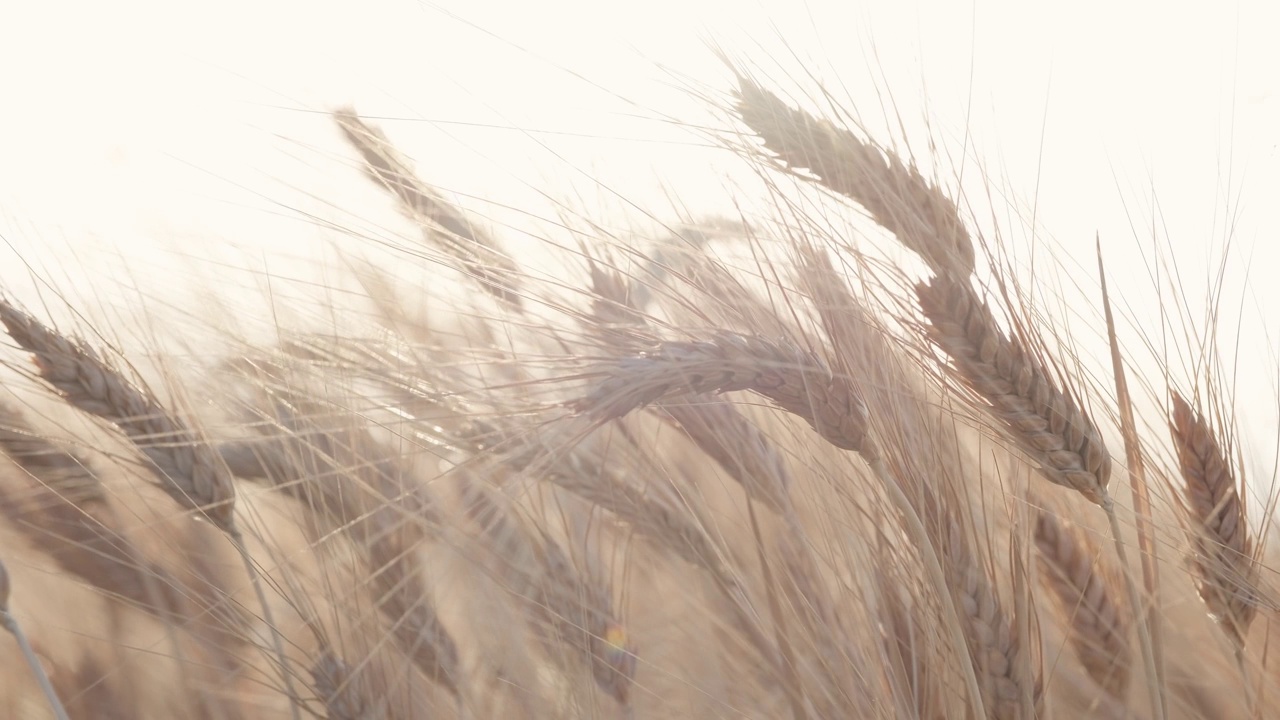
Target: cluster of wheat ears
824	486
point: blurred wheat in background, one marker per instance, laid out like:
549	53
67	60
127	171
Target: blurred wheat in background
839	455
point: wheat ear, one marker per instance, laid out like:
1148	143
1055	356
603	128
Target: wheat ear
1098	625
795	379
190	470
1042	419
1224	558
798	382
895	194
718	428
477	254
67	512
994	644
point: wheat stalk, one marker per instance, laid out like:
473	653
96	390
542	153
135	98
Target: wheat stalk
10	623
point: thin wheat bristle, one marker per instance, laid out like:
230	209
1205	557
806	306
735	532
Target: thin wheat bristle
191	473
1098	624
1043	420
894	193
1224	557
793	378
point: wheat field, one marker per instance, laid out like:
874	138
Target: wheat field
836	457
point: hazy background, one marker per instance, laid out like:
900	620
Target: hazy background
150	147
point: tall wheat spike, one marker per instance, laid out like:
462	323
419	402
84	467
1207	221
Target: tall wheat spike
1224	556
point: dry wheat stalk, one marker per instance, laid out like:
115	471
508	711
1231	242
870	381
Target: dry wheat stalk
1045	421
10	623
478	254
1098	624
1224	557
793	378
893	193
191	472
1150	632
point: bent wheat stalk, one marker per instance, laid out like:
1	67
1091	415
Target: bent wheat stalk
795	379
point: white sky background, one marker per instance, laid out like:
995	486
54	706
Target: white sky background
148	144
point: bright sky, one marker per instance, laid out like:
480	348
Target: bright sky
146	142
